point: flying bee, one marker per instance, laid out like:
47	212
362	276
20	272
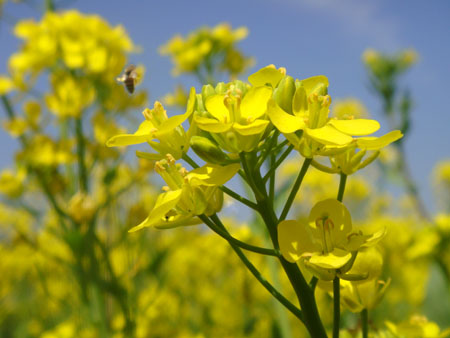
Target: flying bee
129	78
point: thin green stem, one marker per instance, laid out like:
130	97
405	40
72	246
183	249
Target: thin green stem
295	188
238	197
336	307
190	161
272	180
342	181
277	163
81	151
410	185
304	294
313	283
249	177
365	323
268	149
291	307
222	232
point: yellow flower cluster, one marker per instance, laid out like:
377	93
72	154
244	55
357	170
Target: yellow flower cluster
202	47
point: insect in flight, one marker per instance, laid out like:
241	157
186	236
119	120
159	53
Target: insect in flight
129	78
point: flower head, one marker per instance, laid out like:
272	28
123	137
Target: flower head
326	245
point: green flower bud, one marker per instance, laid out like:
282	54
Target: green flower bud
207	150
207	91
241	86
221	88
215	203
284	93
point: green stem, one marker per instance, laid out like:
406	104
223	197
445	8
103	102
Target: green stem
313	283
249	177
336	307
295	188
277	163
291	307
304	294
272	180
336	282
238	197
410	185
268	149
342	181
365	323
222	232
81	150
190	161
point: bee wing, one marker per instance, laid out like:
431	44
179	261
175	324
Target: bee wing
121	78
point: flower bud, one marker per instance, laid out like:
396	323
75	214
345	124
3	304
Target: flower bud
207	91
284	93
207	150
221	88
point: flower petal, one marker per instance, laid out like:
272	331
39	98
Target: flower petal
295	239
254	103
329	135
211	125
216	107
213	174
312	82
376	143
356	127
334	260
283	121
266	75
254	128
164	203
171	123
143	134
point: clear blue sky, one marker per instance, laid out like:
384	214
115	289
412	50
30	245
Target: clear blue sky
308	37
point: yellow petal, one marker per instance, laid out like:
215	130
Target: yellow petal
216	107
254	103
171	123
357	127
294	239
212	125
164	203
337	213
334	260
300	102
266	75
375	143
329	135
254	128
212	174
283	121
312	82
143	134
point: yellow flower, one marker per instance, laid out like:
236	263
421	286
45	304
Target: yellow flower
326	245
236	118
349	160
196	51
6	85
81	41
188	194
43	151
12	183
310	108
168	131
70	96
349	108
417	327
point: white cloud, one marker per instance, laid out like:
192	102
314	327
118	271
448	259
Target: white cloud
362	18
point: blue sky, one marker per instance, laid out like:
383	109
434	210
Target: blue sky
308	37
